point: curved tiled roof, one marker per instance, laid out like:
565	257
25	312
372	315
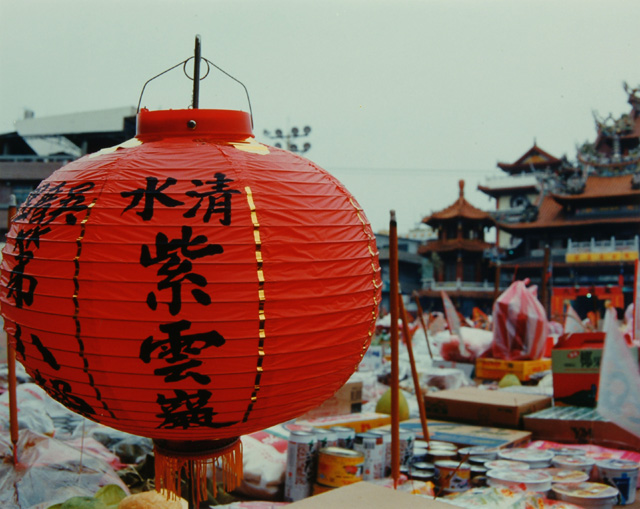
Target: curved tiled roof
454	245
461	208
535	157
597	187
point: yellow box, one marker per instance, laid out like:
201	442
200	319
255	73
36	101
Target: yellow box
360	422
495	369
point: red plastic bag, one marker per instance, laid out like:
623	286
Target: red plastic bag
520	325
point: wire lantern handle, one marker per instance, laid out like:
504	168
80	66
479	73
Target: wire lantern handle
197	78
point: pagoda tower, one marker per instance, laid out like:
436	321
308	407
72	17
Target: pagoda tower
458	255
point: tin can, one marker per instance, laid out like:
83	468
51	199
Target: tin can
320	488
438	444
434	455
300	469
422	475
479	460
345	436
326	437
339	467
423	465
372	447
419	453
453	476
407	438
490	453
478	470
386	440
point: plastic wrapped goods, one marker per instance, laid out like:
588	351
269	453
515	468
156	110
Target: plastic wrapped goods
520	326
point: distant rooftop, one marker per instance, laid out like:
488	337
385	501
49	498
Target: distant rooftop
73	134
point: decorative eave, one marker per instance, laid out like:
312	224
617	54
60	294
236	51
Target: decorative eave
597	188
501	191
440	246
535	158
460	209
551	216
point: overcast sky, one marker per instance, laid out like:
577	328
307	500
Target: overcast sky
404	97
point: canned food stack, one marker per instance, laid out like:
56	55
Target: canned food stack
323	459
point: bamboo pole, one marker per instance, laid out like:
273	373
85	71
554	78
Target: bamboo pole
414	370
424	326
544	287
11	363
395	382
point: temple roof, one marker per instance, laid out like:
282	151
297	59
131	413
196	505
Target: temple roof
454	245
535	158
609	190
599	188
461	208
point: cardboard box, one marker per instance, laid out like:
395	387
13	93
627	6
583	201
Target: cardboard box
495	369
483	407
576	368
346	400
578	425
466	435
360	422
371	496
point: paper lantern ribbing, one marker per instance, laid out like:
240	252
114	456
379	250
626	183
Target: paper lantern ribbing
190	284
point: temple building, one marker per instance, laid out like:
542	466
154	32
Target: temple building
577	235
460	266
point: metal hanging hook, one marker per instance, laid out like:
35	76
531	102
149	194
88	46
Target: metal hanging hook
197	78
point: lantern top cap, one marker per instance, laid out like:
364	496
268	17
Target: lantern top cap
219	124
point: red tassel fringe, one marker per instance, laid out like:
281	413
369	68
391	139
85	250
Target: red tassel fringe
196	461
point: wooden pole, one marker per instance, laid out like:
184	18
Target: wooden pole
424	326
496	283
11	362
414	370
544	287
395	382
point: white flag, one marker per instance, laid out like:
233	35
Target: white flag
572	322
619	387
453	320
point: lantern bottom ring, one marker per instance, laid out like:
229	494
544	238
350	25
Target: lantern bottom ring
195	460
187	448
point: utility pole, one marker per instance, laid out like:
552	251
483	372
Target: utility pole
289	139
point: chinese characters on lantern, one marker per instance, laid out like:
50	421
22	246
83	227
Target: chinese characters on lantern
174	349
47	203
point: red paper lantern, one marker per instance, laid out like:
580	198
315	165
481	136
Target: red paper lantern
190	284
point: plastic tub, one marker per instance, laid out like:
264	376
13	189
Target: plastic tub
535	458
565	475
623	474
574	462
590	495
529	480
